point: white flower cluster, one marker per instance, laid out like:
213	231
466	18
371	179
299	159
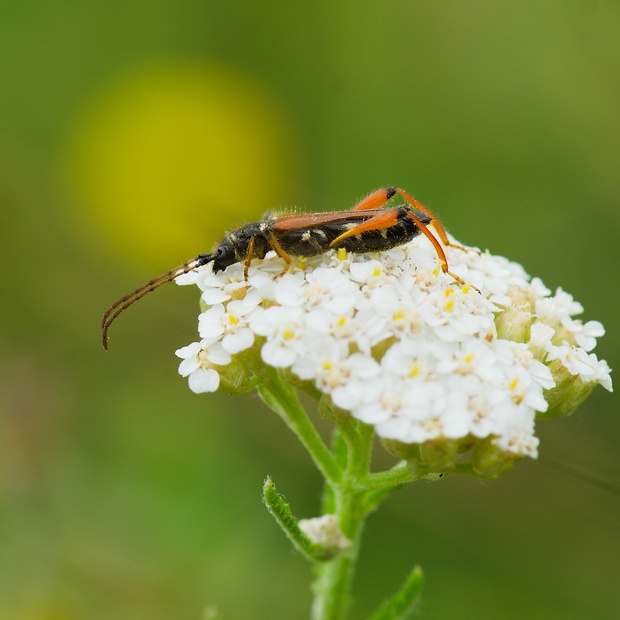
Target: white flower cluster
325	531
400	344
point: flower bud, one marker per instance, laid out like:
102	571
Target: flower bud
439	454
514	322
409	452
569	392
325	532
490	461
235	379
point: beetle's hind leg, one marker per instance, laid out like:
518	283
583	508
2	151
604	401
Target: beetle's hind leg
379	198
383	220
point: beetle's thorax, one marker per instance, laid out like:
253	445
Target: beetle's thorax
251	241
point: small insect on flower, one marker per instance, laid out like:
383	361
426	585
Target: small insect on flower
370	226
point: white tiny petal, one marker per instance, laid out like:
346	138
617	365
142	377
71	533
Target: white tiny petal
204	380
368	272
600	373
541	374
238	341
263	284
213	296
210	322
289	289
586	335
191	277
541	334
539	290
209	279
278	356
594	328
188	366
217	354
188	351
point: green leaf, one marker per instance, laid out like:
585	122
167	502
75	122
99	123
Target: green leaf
400	606
281	511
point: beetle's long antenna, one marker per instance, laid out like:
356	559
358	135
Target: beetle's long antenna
124	302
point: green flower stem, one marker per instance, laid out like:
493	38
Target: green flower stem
282	398
351	491
332	586
396	477
382	484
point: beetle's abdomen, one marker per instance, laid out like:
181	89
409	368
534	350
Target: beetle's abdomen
317	240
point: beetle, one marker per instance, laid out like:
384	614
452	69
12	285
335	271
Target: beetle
367	227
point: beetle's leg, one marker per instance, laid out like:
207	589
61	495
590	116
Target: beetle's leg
384	219
248	259
387	217
277	248
381	197
420	207
376	200
440	252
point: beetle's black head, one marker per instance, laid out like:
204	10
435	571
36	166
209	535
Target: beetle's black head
224	256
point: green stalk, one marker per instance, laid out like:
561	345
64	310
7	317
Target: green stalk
351	493
282	398
332	587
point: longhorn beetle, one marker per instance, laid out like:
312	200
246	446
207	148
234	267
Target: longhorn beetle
367	227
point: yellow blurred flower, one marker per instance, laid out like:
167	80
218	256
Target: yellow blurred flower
173	156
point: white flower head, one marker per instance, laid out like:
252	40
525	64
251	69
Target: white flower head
399	344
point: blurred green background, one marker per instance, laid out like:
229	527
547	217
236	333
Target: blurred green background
132	134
